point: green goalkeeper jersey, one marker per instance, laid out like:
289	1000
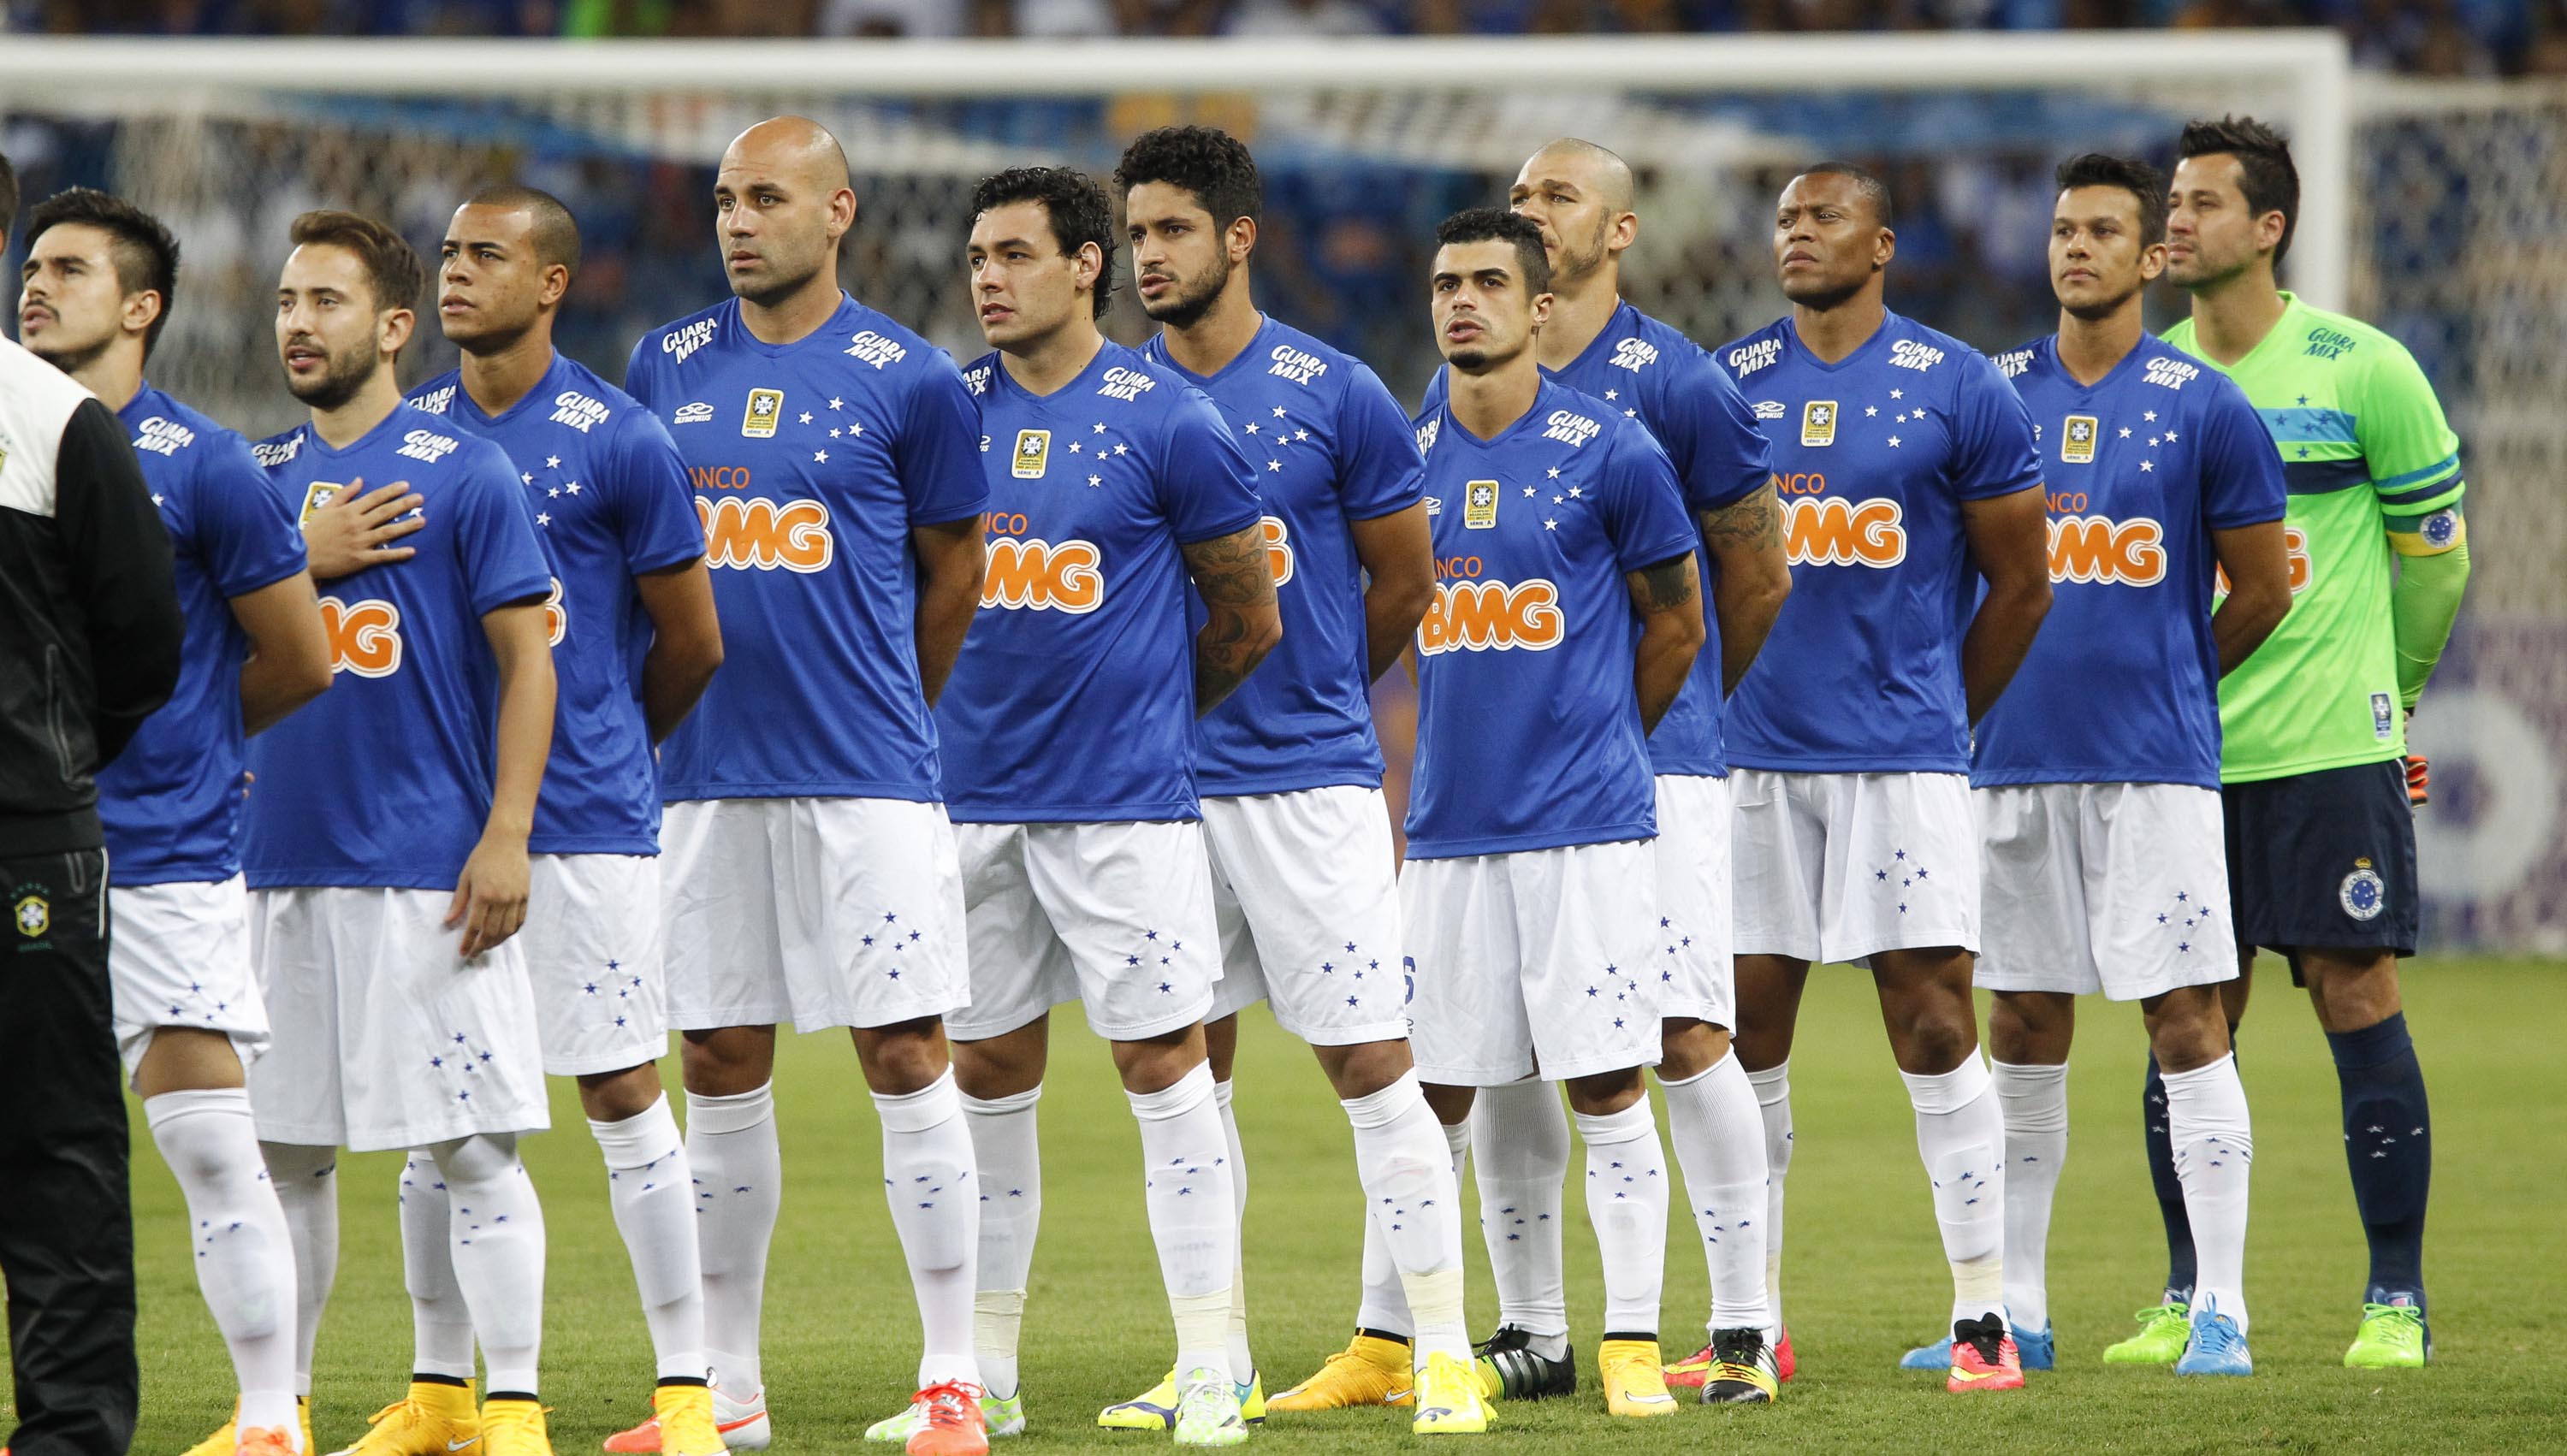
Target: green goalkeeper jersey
2365	453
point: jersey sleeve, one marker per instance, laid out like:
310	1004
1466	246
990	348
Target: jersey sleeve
1379	472
1644	508
2241	474
657	512
2406	445
504	561
244	533
1720	456
939	452
1206	484
1992	449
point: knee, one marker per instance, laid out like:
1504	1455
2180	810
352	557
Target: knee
1936	1041
1688	1048
619	1096
905	1058
1606	1093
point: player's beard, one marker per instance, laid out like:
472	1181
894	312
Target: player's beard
2207	274
71	358
1576	263
778	288
342	376
1191	299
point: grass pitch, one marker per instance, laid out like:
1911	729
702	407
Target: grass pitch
1863	1276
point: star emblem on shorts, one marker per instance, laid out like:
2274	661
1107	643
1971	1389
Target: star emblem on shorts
552	462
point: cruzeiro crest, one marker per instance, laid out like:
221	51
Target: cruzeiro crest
2363	894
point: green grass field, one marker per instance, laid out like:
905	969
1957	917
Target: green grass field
1863	1277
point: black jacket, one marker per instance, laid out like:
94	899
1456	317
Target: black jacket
90	629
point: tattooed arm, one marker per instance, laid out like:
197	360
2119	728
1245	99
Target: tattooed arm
1238	589
1750	577
1671	632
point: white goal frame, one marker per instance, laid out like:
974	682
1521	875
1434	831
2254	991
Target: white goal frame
2307	74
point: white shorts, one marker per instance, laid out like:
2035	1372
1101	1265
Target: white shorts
591	941
1306	892
821	912
1539	961
1695	977
1117	917
385	1038
2121	888
1836	866
179	956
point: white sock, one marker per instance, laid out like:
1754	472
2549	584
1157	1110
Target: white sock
306	1180
739	1188
1712	1119
1193	1215
1960	1135
1006	1161
498	1253
1523	1139
936	1206
2034	1101
2214	1149
244	1258
440	1324
1242	1362
1774	1105
651	1186
1413	1204
1626	1200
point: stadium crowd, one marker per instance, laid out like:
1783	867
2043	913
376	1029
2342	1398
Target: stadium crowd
2422	37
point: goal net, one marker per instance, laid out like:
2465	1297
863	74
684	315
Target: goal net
1364	148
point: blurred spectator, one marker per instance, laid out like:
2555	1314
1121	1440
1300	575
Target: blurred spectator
1329	18
893	19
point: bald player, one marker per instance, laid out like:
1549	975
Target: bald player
808	865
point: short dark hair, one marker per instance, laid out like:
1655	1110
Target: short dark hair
144	251
2136	177
1498	224
1073	201
8	198
1864	179
393	267
1205	160
556	232
2264	170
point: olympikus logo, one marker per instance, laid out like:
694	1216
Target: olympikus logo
434	402
578	411
1279	548
682	342
1909	354
1039	576
2099	549
1633	354
874	349
1772	409
275	453
695	414
1492	616
762	535
365	638
163	437
1574	429
1833	531
1126	384
422	444
1298	364
2174	373
1747	359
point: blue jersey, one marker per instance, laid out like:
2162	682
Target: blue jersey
1528	728
386	779
1330	447
811	462
171	802
2123	684
1874	456
1073	700
611	502
1653	374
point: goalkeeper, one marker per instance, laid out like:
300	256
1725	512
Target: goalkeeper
2319	826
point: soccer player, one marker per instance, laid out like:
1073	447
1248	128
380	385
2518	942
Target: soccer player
808	864
1071	720
389	886
100	279
2321	832
1566	628
2096	774
629	586
1909	476
1290	771
1581	195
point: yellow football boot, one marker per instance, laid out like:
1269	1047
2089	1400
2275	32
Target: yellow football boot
1370	1370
